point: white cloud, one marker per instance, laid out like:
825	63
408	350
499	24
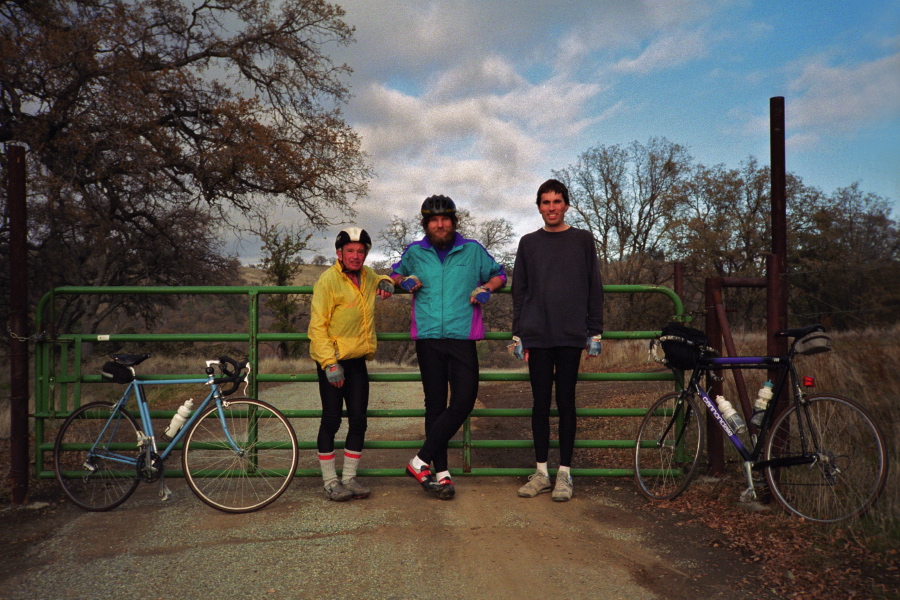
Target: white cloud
669	50
845	98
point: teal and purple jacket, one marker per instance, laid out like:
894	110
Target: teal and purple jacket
441	307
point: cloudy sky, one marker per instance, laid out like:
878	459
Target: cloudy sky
481	100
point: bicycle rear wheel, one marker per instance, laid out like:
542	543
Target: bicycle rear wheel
83	451
668	447
250	478
850	467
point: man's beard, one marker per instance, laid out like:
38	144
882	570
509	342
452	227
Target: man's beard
442	242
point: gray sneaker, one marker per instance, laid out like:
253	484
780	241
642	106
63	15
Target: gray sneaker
538	483
335	491
356	488
562	492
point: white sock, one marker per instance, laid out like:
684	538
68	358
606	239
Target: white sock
351	461
542	469
565	470
326	462
443	474
418	463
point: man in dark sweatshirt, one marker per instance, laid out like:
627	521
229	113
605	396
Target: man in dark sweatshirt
557	313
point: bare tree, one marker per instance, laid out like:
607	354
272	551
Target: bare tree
282	262
624	197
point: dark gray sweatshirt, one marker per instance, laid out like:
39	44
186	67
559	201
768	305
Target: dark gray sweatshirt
557	290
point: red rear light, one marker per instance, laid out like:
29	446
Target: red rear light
809	381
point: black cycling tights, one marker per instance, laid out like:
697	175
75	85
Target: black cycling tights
355	392
547	366
444	363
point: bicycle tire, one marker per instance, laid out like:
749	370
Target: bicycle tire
851	467
245	482
107	483
663	471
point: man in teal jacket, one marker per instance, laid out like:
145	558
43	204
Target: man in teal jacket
450	278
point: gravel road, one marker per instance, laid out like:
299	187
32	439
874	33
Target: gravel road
397	544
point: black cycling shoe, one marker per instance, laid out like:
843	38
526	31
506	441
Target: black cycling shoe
424	477
447	491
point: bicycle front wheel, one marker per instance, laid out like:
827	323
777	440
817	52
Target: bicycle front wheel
247	471
95	456
668	447
849	466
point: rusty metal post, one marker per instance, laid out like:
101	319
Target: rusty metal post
779	221
715	448
731	350
18	324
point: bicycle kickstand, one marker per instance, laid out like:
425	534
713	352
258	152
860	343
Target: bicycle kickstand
748	494
164	492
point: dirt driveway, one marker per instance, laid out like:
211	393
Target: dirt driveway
398	544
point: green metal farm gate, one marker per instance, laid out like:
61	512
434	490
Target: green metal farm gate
59	375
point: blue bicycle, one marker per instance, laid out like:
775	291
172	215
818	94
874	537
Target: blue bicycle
822	455
238	455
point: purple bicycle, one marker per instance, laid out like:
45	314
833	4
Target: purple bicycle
822	455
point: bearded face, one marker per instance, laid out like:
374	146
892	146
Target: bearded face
440	231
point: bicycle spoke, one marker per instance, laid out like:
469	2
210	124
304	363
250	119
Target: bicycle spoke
849	470
252	475
668	447
94	457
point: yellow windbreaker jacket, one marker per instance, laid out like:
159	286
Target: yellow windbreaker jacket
342	316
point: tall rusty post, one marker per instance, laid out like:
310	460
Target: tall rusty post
777	289
779	224
18	324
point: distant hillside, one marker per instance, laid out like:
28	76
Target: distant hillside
308	275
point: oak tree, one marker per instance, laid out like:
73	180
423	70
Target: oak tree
150	125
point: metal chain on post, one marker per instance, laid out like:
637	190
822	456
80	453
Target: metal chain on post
35	337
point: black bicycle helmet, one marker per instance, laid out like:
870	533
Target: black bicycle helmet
438	205
353	234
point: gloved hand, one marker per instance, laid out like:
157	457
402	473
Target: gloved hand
386	286
516	348
594	346
411	283
480	295
335	374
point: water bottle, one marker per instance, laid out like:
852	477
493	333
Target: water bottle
730	415
180	418
762	402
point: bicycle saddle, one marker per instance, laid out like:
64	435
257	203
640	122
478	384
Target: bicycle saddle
130	360
799	331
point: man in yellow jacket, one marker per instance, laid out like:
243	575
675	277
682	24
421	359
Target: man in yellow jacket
341	340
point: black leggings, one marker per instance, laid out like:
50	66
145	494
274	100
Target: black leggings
546	366
443	363
355	392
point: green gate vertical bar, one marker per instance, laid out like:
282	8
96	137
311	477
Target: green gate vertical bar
467	445
253	351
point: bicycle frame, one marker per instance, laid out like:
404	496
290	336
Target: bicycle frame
148	440
787	372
